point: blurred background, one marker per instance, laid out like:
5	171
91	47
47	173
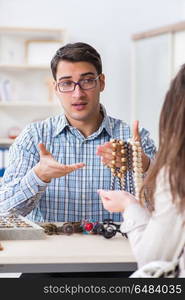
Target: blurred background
141	42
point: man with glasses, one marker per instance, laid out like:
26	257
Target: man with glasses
39	182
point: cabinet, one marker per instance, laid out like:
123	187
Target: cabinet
26	91
156	58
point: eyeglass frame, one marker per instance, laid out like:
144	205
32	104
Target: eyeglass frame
78	83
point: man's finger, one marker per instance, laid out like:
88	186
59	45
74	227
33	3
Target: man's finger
43	150
136	135
71	168
107	147
77	166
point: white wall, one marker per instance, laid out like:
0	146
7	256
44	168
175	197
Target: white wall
107	25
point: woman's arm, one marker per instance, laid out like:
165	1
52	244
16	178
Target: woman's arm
152	237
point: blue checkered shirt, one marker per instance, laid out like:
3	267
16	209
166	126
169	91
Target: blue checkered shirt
70	198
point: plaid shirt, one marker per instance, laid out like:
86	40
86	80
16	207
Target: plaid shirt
70	198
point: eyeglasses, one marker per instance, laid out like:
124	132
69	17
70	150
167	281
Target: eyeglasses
84	84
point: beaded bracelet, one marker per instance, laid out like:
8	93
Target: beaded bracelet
67	228
107	228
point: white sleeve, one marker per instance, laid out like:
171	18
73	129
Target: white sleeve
156	236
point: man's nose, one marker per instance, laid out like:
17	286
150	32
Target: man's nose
78	92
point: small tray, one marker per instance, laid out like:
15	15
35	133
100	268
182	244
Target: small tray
13	227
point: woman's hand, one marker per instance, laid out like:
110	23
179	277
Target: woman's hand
116	201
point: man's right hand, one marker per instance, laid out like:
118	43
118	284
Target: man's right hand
49	168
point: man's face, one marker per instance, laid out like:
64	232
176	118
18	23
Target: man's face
79	105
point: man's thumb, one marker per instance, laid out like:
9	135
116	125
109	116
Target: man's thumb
136	135
43	150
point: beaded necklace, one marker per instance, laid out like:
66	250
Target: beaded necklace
130	154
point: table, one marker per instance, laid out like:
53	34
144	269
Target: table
62	253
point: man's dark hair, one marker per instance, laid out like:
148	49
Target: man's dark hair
74	53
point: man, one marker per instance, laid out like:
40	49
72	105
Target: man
39	182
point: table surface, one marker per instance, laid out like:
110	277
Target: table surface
62	253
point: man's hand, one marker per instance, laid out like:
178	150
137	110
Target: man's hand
105	151
116	201
49	168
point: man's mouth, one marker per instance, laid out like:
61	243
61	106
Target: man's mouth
79	105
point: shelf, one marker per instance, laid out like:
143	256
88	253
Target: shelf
6	141
26	82
28	104
11	67
37	32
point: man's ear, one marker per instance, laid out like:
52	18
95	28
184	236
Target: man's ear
102	82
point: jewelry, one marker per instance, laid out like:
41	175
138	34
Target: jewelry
107	228
67	228
129	175
137	167
119	148
110	229
70	227
50	228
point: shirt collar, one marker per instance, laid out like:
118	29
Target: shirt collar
63	123
106	122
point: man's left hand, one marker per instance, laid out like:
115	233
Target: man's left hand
105	151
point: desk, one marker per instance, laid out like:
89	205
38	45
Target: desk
61	253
